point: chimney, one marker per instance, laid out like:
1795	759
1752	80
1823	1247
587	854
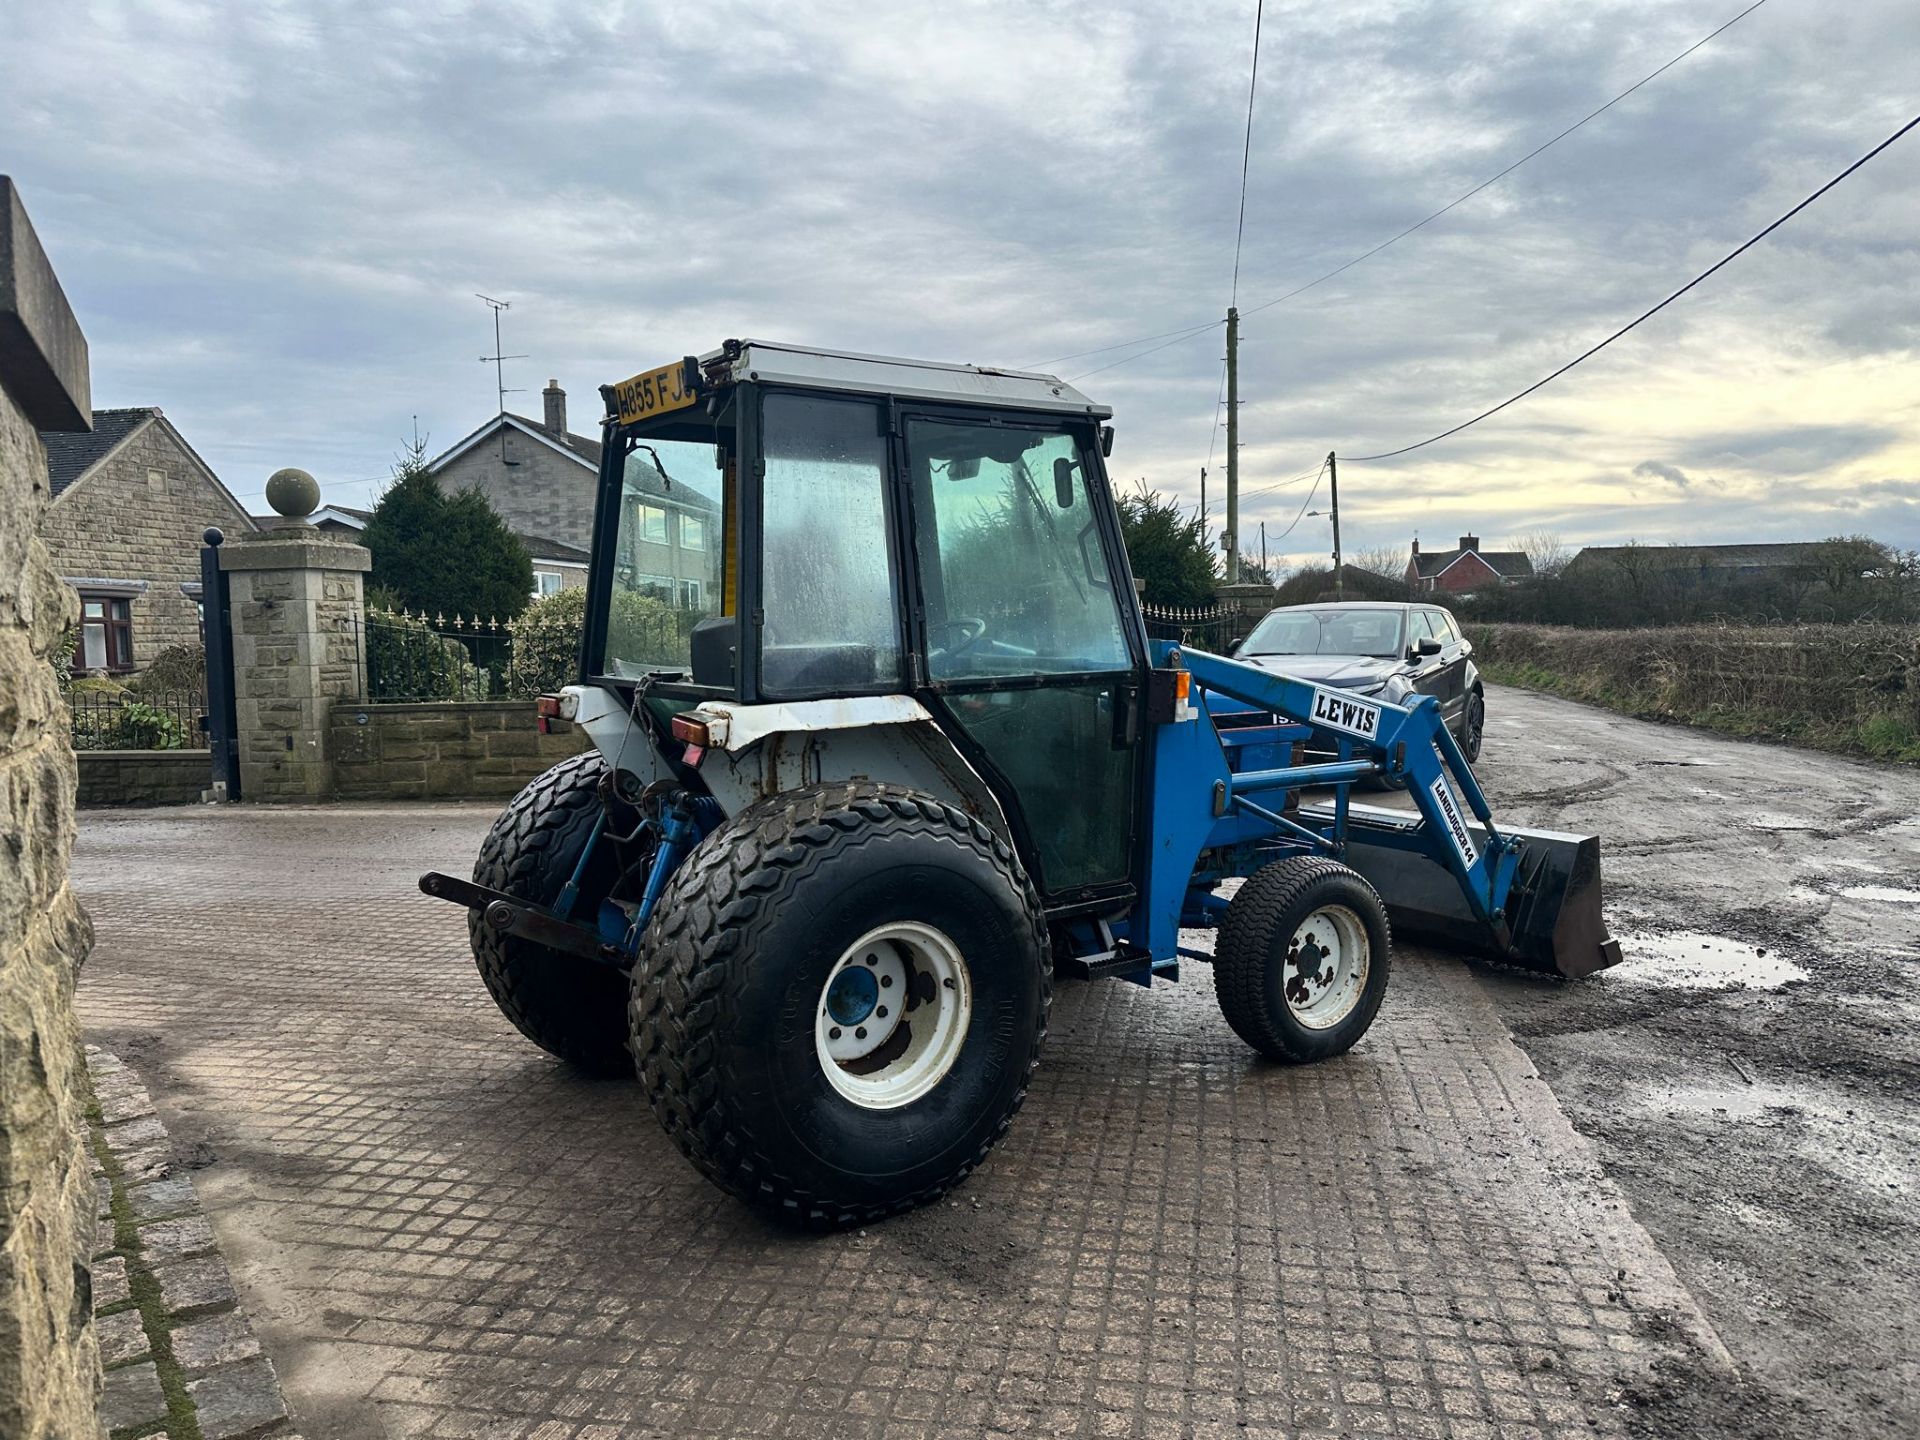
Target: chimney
1416	547
556	401
1467	542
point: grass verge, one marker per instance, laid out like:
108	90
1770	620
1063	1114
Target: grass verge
1877	735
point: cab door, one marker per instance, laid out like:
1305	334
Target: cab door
1022	637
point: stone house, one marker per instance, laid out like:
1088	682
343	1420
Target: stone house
130	500
540	478
1466	567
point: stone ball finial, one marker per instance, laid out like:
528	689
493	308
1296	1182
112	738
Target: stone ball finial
293	493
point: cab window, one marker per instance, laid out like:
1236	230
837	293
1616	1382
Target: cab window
1012	570
827	584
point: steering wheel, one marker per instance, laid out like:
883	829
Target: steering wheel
970	629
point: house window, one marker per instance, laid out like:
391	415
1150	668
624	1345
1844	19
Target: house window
689	592
546	582
653	524
693	533
660	587
106	634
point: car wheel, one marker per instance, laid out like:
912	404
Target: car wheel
1473	726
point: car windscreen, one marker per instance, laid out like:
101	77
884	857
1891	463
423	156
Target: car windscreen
1326	632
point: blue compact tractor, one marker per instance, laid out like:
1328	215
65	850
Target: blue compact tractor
881	748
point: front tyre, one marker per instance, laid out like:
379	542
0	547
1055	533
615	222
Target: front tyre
1300	964
839	1001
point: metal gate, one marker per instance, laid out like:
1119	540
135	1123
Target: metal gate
216	624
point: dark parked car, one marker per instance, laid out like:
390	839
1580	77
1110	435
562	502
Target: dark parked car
1380	649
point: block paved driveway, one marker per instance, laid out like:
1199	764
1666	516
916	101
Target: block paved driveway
441	1232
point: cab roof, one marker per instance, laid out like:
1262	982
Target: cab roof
772	363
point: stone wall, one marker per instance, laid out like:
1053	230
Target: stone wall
479	750
138	516
143	777
49	1352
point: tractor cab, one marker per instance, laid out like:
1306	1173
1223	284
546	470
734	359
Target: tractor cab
791	526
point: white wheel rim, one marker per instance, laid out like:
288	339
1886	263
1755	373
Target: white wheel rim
1326	967
893	1015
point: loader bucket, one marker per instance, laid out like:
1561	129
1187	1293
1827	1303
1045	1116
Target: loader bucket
1553	910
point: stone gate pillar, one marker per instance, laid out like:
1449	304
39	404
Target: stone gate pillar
297	606
49	1354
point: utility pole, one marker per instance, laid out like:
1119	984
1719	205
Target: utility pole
1205	539
1233	446
1263	553
1333	508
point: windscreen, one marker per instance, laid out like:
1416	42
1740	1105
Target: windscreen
1326	632
668	557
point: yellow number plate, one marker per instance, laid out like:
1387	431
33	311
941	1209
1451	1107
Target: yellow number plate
654	393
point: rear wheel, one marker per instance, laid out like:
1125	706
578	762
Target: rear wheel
569	1007
839	1001
1301	961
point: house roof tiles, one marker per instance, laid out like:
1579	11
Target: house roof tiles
71	454
1509	564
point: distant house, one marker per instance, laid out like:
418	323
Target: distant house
556	566
1465	568
1702	562
130	500
541	478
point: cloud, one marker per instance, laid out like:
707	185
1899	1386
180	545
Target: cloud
272	217
1673	474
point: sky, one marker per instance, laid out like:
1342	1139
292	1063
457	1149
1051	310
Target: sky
272	219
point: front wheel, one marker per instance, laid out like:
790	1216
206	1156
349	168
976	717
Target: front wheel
839	1001
1301	961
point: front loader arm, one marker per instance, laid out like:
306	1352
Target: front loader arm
1201	803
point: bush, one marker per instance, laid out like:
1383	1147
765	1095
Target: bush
546	637
407	660
176	670
546	643
138	726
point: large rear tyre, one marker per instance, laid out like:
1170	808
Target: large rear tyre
1301	961
839	1001
568	1006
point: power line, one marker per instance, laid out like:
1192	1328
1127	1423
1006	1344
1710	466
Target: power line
1494	179
1246	154
1126	344
1301	513
1595	350
1182	335
1174	336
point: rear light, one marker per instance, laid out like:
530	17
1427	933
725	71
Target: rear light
691	729
547	707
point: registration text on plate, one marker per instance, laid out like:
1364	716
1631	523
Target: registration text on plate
655	392
1340	711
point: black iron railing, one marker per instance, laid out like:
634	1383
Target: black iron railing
127	720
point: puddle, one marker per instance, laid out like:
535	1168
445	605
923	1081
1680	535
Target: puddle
1887	893
1767	820
1690	960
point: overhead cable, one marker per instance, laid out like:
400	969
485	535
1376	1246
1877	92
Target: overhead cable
1588	354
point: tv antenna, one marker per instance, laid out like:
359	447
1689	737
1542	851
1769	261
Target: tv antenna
497	359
